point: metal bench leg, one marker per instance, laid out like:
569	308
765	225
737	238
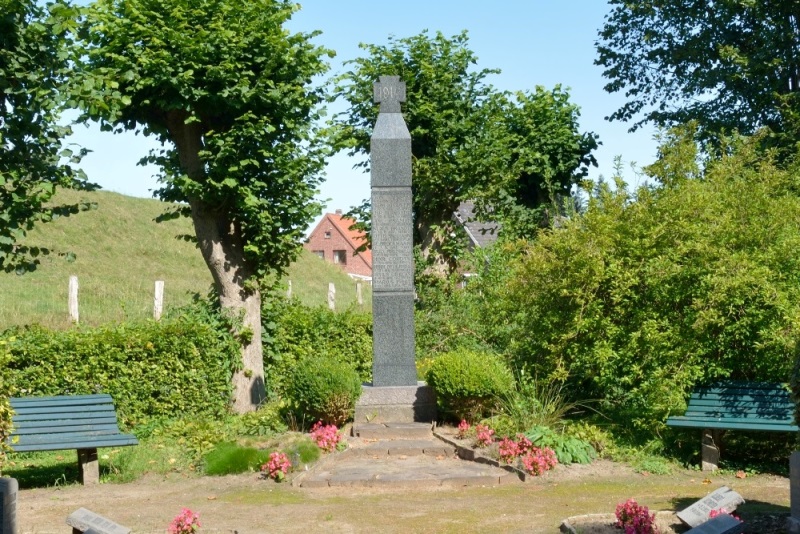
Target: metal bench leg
88	467
709	451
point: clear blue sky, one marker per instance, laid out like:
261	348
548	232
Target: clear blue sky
533	42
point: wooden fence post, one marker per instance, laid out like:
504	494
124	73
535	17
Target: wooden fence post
289	291
158	300
73	298
331	296
359	298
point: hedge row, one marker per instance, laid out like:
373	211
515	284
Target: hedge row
182	365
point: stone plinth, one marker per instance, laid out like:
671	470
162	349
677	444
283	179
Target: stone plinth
398	404
8	505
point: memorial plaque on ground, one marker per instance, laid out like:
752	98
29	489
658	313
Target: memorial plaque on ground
721	524
83	520
723	498
8	505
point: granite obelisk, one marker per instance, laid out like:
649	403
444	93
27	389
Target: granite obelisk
394	396
392	241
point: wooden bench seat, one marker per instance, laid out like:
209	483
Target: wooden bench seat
81	422
752	406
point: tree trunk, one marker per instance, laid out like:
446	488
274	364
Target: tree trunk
431	241
221	244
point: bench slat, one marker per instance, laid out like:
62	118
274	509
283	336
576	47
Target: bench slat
88	442
49	424
28	431
64	400
680	421
54	410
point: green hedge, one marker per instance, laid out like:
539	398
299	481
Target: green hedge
323	389
294	332
181	365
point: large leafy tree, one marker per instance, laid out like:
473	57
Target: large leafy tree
226	90
730	65
34	159
510	153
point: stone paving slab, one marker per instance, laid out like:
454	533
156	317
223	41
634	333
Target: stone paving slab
403	447
409	471
392	430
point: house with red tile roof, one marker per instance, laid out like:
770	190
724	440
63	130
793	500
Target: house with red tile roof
333	241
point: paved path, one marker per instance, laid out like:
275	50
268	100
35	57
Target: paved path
402	454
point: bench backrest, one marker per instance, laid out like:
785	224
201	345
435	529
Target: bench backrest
744	405
65	422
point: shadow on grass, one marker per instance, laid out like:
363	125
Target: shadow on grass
45	473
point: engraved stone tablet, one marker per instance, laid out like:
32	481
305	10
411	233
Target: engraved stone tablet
721	524
723	498
83	520
8	505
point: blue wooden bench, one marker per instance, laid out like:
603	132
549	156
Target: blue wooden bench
81	422
758	406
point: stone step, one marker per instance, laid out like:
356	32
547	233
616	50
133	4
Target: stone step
394	431
401	447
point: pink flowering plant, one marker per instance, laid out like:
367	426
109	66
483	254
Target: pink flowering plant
185	522
635	519
536	461
326	437
277	467
508	450
484	436
463	429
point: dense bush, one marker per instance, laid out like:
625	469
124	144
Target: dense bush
323	389
294	332
469	384
5	406
180	365
652	292
265	421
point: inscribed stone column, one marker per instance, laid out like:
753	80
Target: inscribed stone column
392	241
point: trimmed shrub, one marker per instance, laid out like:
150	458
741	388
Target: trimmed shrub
180	365
323	389
469	384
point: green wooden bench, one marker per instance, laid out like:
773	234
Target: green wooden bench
81	422
758	406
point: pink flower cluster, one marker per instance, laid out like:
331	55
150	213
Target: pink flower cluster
185	522
463	429
536	461
635	519
484	436
326	436
277	467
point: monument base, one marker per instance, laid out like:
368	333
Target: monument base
792	525
396	404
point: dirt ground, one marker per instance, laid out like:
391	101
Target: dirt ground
248	504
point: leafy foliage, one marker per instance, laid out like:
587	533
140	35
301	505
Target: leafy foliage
323	389
5	406
265	421
652	292
468	384
35	44
178	365
226	90
294	332
468	141
568	448
728	65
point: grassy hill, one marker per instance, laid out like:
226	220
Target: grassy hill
121	252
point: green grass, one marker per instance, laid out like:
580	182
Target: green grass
120	253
